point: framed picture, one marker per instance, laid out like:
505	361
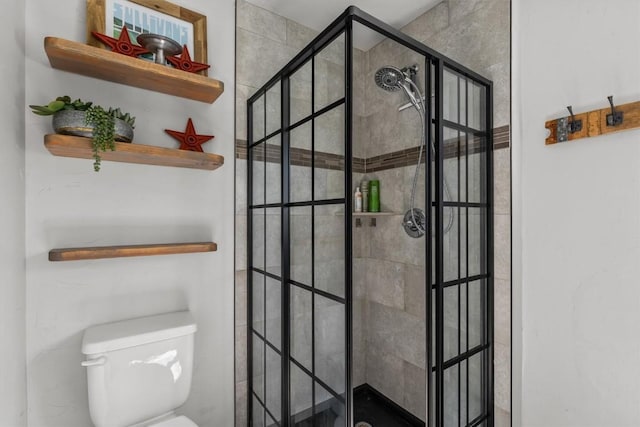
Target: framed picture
149	16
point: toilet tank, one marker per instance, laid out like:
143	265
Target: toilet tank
138	369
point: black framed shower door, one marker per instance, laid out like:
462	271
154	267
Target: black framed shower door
300	139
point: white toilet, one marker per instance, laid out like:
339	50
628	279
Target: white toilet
139	371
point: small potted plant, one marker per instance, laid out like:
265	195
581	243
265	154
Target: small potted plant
92	121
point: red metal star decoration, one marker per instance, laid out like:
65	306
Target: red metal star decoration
189	139
122	45
185	63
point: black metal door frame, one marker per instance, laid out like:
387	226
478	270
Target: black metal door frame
437	62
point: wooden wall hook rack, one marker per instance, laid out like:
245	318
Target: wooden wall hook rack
594	123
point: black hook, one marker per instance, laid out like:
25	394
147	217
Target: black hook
616	117
574	125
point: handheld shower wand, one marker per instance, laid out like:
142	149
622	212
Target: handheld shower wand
392	79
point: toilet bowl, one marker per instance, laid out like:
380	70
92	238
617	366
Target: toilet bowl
139	371
172	420
176	422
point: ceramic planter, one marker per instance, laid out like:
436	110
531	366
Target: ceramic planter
73	122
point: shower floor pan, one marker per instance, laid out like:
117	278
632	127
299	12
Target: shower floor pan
372	407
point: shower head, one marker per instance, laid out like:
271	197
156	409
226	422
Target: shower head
390	78
393	79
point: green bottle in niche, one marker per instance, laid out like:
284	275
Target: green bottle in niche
374	196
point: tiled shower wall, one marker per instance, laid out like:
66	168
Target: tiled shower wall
477	34
389	352
389	273
265	43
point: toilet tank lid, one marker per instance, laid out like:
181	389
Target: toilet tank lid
143	330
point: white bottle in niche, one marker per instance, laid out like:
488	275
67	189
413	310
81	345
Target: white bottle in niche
358	200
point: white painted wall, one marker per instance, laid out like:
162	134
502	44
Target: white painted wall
68	205
12	273
576	218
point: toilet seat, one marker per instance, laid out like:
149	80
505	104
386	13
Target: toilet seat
180	421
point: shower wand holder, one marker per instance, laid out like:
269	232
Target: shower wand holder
593	123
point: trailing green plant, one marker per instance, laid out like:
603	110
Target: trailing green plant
102	121
103	132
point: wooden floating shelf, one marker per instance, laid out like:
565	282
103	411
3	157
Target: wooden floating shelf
102	64
76	254
79	147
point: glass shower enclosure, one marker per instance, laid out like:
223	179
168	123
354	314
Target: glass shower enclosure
351	319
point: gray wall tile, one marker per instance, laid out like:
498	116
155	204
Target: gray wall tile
500	75
359	69
385	283
241	404
503	417
502	256
460	9
258	58
415	291
241	187
241	242
241	298
396	332
242	95
361	241
502	298
261	21
359	342
241	353
298	36
388	241
359	279
430	23
419	198
360	137
477	42
385	373
477	36
415	392
502	181
502	376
